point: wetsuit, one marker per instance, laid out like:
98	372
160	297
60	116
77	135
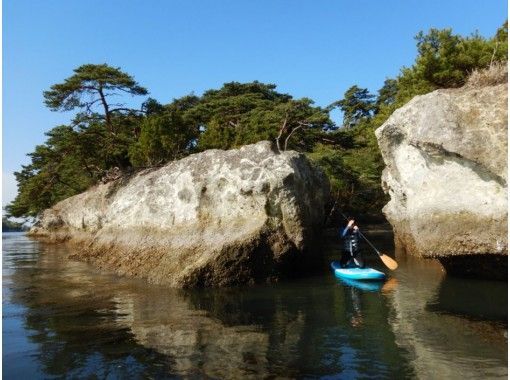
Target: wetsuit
351	248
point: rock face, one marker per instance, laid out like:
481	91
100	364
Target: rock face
446	173
211	219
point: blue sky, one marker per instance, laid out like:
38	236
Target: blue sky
308	48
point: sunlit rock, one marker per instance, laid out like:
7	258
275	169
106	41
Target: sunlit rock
446	173
215	218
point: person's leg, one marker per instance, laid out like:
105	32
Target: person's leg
345	258
358	259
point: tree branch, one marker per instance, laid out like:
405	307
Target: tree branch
282	129
57	178
332	208
89	105
126	109
290	134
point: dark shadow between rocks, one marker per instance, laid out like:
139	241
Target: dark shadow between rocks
481	266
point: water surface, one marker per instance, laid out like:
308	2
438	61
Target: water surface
66	319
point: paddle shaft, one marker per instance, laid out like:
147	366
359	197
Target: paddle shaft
375	249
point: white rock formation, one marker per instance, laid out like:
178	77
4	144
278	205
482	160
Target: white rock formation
446	173
211	219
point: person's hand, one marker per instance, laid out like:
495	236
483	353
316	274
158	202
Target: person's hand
351	222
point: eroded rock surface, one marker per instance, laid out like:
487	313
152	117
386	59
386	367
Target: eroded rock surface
446	172
211	219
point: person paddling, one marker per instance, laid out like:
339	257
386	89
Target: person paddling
351	253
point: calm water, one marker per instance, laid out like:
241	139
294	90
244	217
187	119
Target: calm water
65	319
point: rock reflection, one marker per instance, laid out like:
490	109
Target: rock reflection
68	303
475	300
197	343
443	345
70	321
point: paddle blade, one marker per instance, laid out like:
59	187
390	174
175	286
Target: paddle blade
389	262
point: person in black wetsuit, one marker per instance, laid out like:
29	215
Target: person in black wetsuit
351	253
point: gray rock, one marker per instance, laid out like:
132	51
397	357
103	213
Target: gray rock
215	218
446	172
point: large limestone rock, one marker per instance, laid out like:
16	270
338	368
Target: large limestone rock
446	173
212	219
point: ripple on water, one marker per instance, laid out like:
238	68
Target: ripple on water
64	318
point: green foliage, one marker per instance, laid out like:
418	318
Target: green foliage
76	156
387	94
446	60
164	137
358	104
89	88
55	173
90	82
354	166
166	133
332	161
244	113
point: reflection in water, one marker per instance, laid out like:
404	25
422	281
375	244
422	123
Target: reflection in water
389	286
354	293
369	286
61	320
458	347
163	320
64	318
475	300
356	314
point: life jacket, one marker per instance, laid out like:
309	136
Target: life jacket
351	242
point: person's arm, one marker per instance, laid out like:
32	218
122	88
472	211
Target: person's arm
346	229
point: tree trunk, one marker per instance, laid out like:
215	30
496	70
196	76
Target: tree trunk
107	115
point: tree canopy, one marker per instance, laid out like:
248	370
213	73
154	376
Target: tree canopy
104	134
244	113
91	87
446	60
166	134
357	104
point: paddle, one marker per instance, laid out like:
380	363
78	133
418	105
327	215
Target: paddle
388	261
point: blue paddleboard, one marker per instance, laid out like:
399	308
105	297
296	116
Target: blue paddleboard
369	286
357	273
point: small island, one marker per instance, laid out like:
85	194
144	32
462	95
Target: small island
10	226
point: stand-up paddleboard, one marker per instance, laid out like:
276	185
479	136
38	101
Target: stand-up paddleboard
369	286
365	274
